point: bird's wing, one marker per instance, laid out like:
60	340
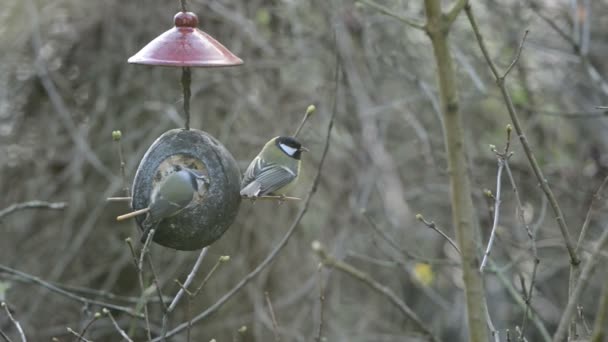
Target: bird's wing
252	170
159	210
263	178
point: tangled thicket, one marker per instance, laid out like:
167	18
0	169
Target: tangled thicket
56	145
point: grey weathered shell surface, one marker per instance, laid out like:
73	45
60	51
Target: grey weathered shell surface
213	210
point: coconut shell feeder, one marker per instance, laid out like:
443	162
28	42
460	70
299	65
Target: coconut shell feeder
213	209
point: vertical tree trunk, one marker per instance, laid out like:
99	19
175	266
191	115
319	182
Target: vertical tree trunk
462	203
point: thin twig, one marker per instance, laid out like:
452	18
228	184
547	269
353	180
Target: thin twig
532	237
116	326
96	316
319	336
145	249
156	283
502	158
5	337
15	322
453	13
140	273
516	296
484	261
388	239
597	197
544	184
31	205
311	109
220	260
80	337
493	332
189	278
332	262
586	272
391	13
433	226
140	277
56	289
275	325
117	137
581	316
273	254
600	328
180	293
517	55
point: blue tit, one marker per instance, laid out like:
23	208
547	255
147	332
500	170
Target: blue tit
171	196
275	169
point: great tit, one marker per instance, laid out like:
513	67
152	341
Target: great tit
171	196
275	169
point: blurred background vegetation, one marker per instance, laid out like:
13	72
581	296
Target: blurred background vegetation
65	86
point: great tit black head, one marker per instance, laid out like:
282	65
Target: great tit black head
290	146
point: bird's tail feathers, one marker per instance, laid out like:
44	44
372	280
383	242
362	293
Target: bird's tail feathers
252	189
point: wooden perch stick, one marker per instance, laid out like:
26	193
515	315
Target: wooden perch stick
118	199
132	214
273	197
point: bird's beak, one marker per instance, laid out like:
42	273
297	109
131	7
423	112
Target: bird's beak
304	149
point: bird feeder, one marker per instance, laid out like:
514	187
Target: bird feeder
213	210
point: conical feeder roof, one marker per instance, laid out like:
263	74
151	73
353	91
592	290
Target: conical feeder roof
185	46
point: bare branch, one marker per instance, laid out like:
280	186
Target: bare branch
180	293
116	326
79	336
31	205
517	55
388	239
597	196
532	238
484	261
600	328
189	279
330	261
544	184
117	137
56	289
275	325
319	336
96	316
391	13
5	337
140	276
586	272
517	297
15	322
311	109
453	13
433	226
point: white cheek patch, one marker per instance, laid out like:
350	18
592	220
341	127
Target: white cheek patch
287	149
